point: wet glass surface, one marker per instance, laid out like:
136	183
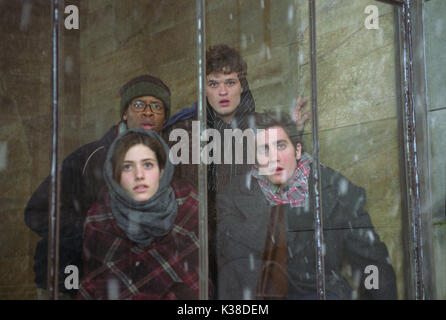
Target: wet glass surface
256	249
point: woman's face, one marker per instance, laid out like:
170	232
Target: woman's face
140	173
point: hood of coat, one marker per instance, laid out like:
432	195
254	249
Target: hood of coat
143	221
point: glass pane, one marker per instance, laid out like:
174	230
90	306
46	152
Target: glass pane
359	128
435	41
25	135
116	41
253	261
128	227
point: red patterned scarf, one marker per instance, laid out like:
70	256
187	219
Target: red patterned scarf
295	193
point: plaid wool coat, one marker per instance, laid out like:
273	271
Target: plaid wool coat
116	268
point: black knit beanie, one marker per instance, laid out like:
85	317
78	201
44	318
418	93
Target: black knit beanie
145	85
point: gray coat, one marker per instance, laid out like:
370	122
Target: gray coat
349	237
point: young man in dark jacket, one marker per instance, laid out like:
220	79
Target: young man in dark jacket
229	103
145	103
265	238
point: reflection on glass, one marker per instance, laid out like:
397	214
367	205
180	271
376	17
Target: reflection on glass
257	250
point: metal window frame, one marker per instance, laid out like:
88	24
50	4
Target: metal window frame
411	156
202	168
423	145
417	231
420	278
53	219
317	188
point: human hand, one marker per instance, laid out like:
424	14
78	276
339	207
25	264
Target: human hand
298	117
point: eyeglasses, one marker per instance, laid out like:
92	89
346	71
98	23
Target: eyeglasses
140	106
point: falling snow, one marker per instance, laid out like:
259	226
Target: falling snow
25	20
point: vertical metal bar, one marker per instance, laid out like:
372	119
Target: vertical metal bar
411	155
318	221
53	219
202	170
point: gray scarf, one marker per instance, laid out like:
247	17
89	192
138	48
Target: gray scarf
143	221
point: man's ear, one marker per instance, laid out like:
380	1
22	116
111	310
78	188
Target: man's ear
124	116
298	151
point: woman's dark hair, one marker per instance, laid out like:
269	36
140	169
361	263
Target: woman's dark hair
281	119
128	141
222	58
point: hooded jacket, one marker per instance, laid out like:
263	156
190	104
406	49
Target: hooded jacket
142	249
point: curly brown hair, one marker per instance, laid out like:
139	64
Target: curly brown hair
279	118
222	58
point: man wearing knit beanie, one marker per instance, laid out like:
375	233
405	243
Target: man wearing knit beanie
145	103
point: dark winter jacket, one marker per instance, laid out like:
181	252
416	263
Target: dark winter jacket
349	237
81	182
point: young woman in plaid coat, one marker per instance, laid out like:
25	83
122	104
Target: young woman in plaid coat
141	239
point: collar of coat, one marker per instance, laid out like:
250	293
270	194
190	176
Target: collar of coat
249	198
